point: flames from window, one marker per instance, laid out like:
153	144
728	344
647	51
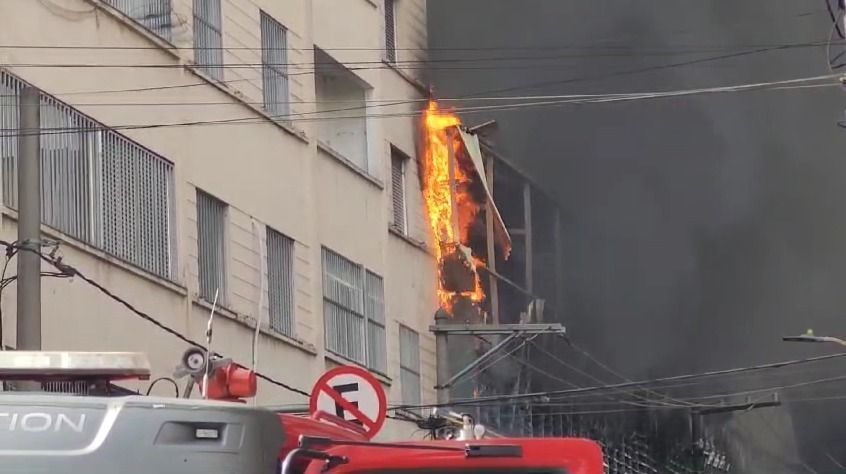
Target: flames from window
451	208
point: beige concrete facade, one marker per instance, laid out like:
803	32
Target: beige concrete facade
276	174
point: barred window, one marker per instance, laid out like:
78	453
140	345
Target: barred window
354	312
208	37
280	282
274	60
97	186
398	209
390	31
211	243
374	312
155	15
409	345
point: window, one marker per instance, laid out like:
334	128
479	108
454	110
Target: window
208	37
409	345
97	186
211	242
280	282
151	14
274	60
353	311
398	209
390	31
342	108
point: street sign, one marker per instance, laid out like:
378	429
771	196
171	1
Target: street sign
353	394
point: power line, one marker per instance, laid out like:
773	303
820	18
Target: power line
626	48
656	381
71	271
303	117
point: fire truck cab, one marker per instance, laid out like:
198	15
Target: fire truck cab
76	420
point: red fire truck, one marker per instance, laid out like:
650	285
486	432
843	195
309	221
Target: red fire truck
79	421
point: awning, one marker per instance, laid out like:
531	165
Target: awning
474	151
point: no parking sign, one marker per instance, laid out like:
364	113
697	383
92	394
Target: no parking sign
353	394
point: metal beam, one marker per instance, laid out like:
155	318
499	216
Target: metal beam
491	263
487	355
483	329
527	240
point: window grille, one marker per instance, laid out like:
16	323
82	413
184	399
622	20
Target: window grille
274	60
409	345
155	15
390	31
208	37
374	312
211	242
354	312
398	209
97	186
280	282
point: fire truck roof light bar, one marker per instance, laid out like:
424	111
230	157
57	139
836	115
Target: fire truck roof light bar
32	365
482	329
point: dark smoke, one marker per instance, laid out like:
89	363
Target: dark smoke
698	230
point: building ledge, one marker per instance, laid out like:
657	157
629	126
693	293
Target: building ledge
341	360
419	245
407	78
104	256
250	323
328	150
172	50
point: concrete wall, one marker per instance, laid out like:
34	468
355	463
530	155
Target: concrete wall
268	173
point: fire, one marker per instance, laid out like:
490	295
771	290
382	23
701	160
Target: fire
448	204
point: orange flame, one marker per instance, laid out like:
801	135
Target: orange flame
449	207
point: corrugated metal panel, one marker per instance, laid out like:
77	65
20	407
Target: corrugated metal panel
96	186
274	60
208	37
155	15
409	345
398	191
280	282
343	306
211	235
390	31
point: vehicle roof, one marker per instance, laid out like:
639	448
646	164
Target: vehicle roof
575	455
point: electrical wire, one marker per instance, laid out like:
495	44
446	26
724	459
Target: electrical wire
75	272
701	375
604	99
154	382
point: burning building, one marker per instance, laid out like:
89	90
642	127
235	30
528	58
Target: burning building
459	203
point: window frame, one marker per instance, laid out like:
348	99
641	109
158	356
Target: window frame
287	326
76	204
222	283
398	156
277	75
213	28
362	275
390	9
416	372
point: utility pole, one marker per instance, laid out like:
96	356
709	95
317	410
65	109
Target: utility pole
29	221
441	359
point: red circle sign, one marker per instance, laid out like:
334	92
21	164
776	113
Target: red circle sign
353	394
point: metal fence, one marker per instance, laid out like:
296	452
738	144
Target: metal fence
97	186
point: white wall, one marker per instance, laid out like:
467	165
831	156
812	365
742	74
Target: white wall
269	175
